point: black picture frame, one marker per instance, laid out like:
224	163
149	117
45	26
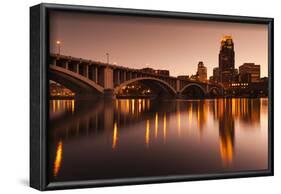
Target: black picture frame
39	45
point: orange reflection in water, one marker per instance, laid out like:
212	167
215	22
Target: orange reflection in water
127	106
190	112
132	107
114	138
226	129
156	125
226	150
72	106
147	131
139	106
225	115
58	159
179	122
143	104
62	106
164	128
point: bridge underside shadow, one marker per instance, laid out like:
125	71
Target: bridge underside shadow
214	93
193	92
159	89
81	89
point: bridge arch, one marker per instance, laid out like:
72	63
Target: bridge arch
193	90
150	81
79	84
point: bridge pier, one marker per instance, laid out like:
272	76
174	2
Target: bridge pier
109	94
179	96
108	84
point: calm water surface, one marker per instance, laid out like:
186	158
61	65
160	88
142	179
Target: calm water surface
142	137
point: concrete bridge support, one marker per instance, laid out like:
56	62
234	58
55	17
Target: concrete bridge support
108	83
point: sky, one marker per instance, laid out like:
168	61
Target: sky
138	42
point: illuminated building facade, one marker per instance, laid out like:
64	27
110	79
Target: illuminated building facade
226	60
153	71
216	74
57	90
201	71
249	72
163	72
186	77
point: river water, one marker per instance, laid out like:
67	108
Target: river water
141	137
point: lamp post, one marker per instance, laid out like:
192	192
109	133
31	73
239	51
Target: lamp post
107	58
58	45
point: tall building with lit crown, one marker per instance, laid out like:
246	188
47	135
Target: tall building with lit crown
226	60
201	71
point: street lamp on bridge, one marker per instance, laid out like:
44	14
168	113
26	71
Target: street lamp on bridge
107	58
58	43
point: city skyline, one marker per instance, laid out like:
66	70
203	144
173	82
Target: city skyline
137	90
171	44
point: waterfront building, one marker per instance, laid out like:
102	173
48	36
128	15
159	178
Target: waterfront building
249	72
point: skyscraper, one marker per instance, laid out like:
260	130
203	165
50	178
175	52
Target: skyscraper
249	72
201	71
216	74
226	60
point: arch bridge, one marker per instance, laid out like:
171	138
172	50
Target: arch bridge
89	78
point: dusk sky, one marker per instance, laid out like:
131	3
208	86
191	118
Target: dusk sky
173	44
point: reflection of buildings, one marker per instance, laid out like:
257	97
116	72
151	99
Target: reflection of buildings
198	111
226	130
202	114
156	123
247	110
114	136
58	159
226	111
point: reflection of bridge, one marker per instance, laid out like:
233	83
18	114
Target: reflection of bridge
91	78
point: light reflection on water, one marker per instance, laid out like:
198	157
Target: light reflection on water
189	136
58	159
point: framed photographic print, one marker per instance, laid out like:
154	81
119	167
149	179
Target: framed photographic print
124	96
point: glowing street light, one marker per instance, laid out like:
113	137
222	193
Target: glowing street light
58	45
